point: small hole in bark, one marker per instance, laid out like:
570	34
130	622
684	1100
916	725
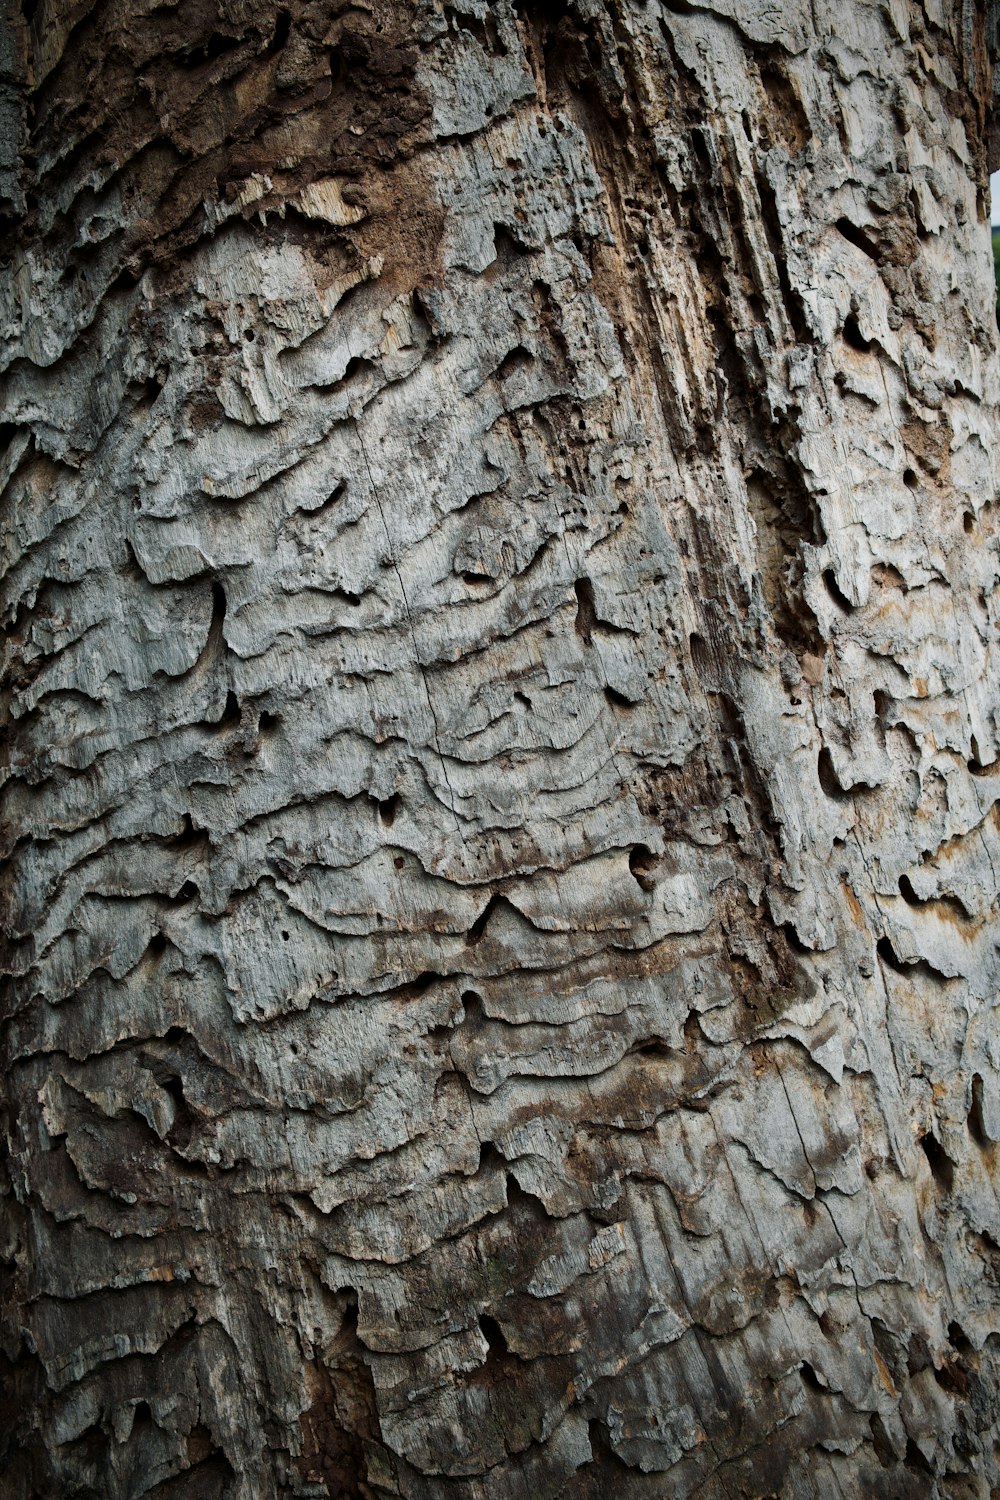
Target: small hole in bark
231	713
884	1451
476	580
693	1034
910	479
157	944
907	892
975	763
586	613
940	1163
794	941
218	603
357	365
506	245
478	928
282	28
349	1317
472	1005
617	699
952	1378
398	862
854	336
887	954
182	1129
976	1122
835	591
335	495
857	237
174	1034
493	1334
915	1460
969	522
284	935
642	863
215	47
517	359
828	779
654	1047
188	891
388	808
489	1157
142	1423
268	722
188	834
810	1379
148	392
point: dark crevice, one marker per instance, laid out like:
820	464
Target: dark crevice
836	593
976	1119
858	238
517	359
642	863
472	1006
282	30
881	1442
854	337
333	498
216	46
490	1159
907	967
946	901
586	614
493	1334
478	928
941	1165
189	835
388	808
771	221
508	248
182	1129
915	1460
828	778
231	715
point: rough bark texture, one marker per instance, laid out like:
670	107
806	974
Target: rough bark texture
502	777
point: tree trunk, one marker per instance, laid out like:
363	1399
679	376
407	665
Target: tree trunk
502	781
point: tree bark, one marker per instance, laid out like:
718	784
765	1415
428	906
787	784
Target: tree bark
502	782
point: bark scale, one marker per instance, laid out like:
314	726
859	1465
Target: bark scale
502	782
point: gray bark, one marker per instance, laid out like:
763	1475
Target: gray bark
501	772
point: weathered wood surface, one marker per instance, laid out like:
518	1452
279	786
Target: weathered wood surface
502	777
